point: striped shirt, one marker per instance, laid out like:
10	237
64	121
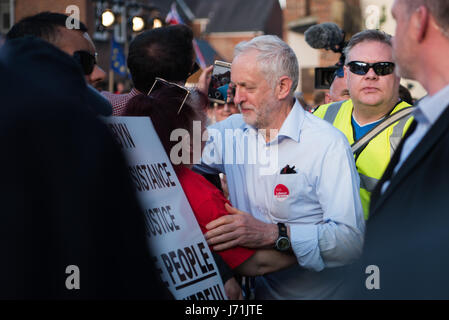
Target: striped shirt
119	101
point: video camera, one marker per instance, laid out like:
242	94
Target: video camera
330	37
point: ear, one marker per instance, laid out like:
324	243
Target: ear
284	86
327	98
420	23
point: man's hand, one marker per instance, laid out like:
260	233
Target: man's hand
204	80
240	229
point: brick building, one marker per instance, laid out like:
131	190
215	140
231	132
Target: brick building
224	23
299	15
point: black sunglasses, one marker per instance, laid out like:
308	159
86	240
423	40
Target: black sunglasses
362	68
178	90
86	60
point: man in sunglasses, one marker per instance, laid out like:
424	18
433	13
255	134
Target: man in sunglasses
374	91
51	26
408	237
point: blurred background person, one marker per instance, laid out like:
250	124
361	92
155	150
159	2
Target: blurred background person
338	89
121	87
223	111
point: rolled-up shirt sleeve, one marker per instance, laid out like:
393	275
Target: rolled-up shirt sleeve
338	239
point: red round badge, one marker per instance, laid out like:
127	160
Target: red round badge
281	192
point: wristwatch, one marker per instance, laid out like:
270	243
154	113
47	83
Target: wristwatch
282	242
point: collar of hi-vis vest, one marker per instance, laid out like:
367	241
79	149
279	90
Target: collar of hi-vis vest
334	109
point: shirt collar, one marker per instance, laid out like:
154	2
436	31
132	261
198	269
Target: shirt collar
430	108
134	92
291	127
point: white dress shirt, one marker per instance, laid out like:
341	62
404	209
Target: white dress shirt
322	205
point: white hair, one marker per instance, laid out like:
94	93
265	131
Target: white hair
275	59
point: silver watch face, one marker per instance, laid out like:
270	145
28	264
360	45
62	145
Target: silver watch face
283	243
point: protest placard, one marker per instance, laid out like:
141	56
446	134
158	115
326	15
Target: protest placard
179	249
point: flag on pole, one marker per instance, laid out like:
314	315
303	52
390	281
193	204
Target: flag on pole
173	17
118	61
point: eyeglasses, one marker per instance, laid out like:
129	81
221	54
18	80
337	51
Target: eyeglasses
86	60
362	68
177	89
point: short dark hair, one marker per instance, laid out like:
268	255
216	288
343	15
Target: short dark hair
165	52
43	25
162	107
366	35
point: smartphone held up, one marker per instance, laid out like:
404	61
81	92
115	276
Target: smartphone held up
219	84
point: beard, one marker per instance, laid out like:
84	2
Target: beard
260	117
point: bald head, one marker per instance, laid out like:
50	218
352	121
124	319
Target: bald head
338	91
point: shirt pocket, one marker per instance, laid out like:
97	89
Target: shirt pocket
288	190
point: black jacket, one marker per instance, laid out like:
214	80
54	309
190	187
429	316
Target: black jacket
65	193
44	61
407	234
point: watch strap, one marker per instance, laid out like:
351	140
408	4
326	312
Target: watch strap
282	230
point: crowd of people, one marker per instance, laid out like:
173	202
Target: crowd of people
294	204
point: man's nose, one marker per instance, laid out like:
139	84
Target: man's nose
97	75
239	96
371	74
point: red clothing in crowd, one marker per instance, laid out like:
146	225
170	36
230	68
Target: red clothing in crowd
119	101
208	204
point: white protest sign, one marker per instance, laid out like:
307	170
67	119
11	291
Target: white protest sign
180	251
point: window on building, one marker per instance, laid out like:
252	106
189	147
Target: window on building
5	18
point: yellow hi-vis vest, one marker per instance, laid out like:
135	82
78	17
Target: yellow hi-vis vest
373	160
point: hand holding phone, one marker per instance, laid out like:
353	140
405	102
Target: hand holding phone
220	79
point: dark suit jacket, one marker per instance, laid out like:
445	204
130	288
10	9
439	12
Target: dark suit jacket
407	234
66	197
